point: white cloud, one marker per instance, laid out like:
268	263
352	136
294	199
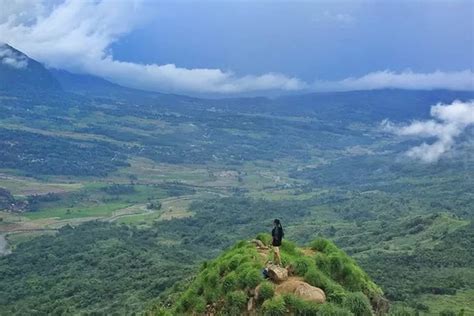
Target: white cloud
11	58
77	36
456	80
449	121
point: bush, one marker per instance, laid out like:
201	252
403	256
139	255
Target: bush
336	266
211	295
354	278
230	282
266	291
211	278
329	309
274	307
335	293
289	248
234	262
187	302
323	245
235	302
252	278
358	304
199	305
317	278
265	238
322	262
298	306
302	265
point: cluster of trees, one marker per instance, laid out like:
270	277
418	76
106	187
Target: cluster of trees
34	201
443	269
39	154
95	267
119	269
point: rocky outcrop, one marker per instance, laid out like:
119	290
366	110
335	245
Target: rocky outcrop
277	274
310	293
301	289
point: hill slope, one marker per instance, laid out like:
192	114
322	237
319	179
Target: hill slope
233	284
18	72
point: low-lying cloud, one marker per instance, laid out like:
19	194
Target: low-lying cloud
77	36
456	80
449	122
11	58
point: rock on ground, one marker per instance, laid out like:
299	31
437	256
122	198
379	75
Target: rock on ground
301	289
277	274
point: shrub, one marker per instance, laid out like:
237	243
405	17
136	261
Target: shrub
265	238
211	278
302	265
241	244
323	245
289	248
211	295
252	278
335	293
354	279
298	306
266	291
358	304
317	278
336	266
235	302
322	262
199	305
235	261
222	267
229	282
274	307
329	309
187	302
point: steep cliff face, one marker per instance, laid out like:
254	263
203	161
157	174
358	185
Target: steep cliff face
316	280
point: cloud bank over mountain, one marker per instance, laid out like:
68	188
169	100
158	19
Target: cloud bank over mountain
449	122
11	58
77	36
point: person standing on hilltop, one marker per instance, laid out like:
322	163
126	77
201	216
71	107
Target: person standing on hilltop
277	235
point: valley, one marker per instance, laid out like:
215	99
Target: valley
125	193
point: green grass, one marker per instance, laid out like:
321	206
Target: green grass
18	238
78	211
92	201
437	303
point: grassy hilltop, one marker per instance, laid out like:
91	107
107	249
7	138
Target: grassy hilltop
229	284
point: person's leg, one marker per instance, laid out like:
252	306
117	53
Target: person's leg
276	251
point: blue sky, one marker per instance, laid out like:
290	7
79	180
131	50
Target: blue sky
234	47
326	40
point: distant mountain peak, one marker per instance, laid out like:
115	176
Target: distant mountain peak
12	57
18	72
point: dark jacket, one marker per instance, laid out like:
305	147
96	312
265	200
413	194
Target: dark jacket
277	234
